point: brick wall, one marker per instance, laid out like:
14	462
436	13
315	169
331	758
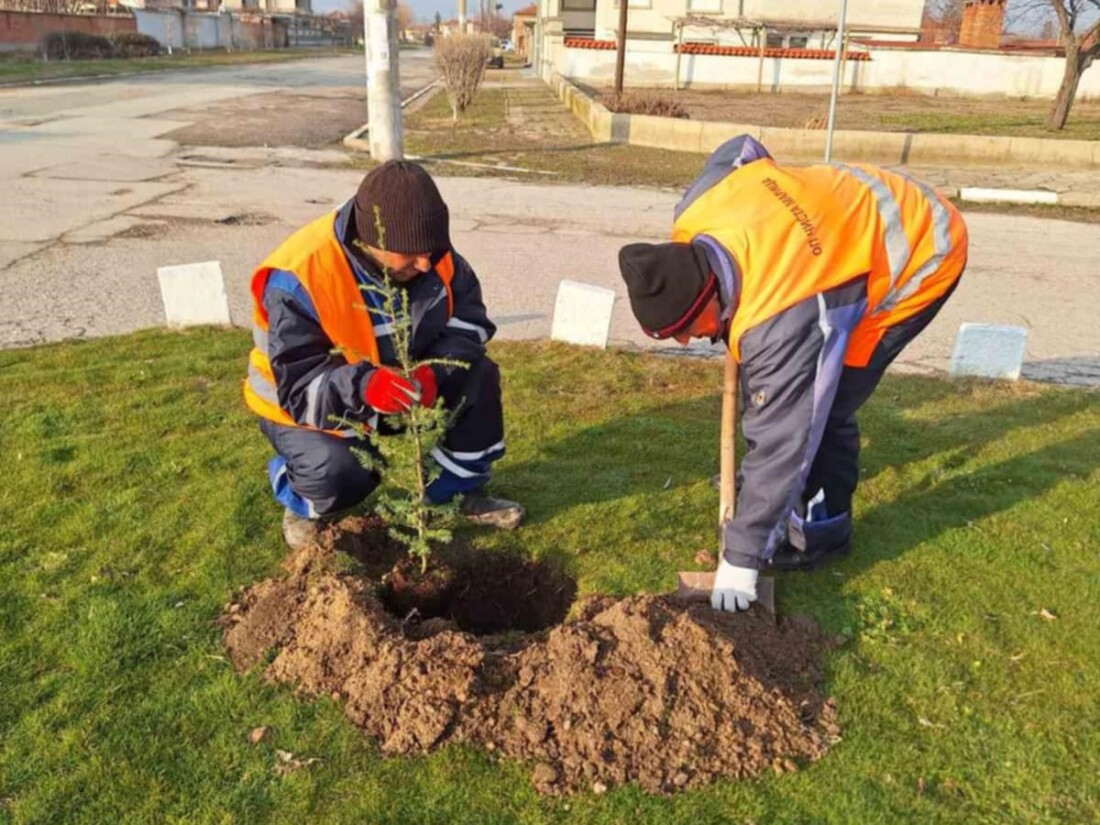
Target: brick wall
24	30
982	23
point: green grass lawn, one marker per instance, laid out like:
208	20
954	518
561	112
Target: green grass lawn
15	68
134	504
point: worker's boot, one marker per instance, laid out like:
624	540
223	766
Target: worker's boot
788	557
299	532
479	508
809	544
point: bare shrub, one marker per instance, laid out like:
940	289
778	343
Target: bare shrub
645	103
71	45
133	44
461	60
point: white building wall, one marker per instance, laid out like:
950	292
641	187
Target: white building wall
932	72
880	18
861	14
649	16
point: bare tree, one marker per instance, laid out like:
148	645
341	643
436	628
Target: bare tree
58	6
946	19
355	19
490	21
1078	24
405	18
495	23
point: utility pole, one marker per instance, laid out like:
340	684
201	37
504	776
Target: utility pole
837	62
386	134
462	16
620	58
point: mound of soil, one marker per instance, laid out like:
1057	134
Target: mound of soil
642	689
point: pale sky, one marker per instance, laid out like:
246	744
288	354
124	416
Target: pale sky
425	9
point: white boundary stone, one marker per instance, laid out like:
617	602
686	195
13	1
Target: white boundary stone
582	314
989	351
977	194
194	294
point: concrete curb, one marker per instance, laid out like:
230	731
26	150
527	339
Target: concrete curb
1028	197
355	140
896	148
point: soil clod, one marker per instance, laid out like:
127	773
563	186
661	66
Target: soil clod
643	689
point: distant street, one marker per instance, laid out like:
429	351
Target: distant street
105	182
165	91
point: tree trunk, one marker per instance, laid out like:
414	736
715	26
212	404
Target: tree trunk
1063	101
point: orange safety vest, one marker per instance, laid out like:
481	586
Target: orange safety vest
315	256
796	232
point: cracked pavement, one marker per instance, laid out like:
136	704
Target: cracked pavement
98	195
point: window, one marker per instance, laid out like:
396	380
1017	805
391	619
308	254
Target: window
775	40
799	41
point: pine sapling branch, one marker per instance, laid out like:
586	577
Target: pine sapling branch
404	454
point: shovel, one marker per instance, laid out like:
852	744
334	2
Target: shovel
694	585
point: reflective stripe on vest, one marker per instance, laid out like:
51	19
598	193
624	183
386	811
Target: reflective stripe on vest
802	231
897	245
317	259
941	221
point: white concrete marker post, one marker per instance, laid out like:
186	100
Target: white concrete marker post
989	351
194	294
978	194
582	314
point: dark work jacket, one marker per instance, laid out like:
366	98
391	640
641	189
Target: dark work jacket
316	385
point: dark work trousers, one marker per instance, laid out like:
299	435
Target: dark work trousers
836	466
316	474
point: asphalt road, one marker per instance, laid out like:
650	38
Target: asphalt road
97	197
172	90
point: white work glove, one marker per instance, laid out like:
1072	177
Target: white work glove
734	587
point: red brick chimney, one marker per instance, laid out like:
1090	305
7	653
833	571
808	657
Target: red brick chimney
982	23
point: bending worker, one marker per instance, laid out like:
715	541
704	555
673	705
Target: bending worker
324	355
817	278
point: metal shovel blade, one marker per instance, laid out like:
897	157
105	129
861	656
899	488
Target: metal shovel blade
695	586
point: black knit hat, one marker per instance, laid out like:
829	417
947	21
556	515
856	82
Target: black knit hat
412	213
668	283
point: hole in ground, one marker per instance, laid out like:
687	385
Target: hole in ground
482	593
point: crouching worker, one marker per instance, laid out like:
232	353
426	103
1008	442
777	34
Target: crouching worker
324	354
816	278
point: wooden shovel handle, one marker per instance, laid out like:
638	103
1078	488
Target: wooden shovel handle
727	487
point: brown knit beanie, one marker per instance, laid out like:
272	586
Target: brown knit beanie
412	214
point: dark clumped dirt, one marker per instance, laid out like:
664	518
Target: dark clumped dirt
643	689
481	593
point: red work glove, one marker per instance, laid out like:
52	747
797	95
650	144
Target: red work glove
389	392
424	375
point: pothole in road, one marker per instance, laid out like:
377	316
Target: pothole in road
246	219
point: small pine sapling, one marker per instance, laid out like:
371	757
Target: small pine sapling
403	455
